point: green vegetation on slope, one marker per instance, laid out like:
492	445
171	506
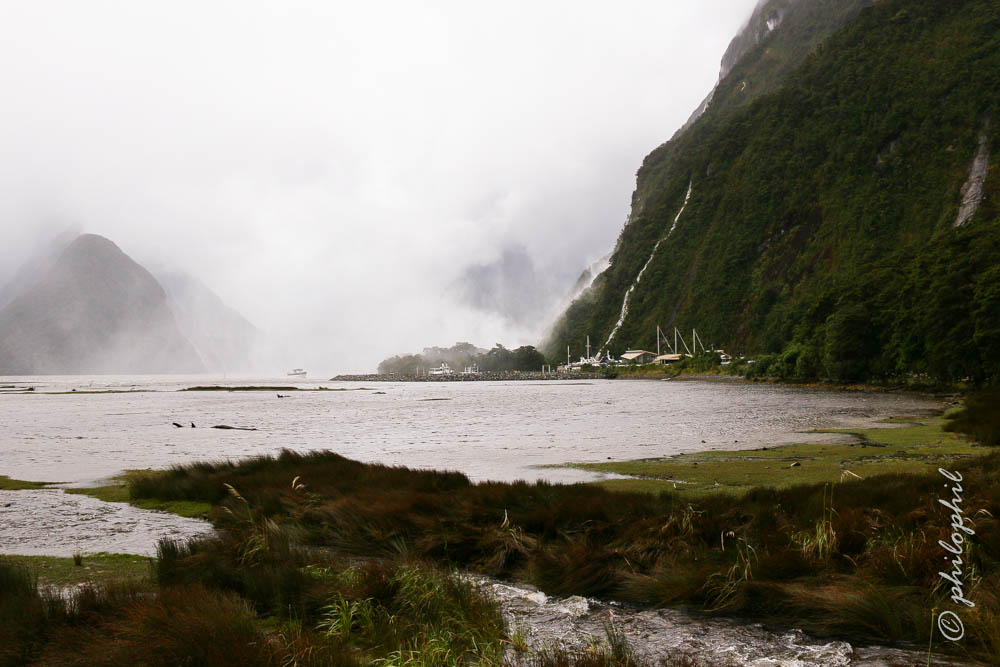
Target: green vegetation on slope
820	221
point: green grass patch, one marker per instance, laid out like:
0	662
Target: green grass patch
100	567
98	391
8	484
238	388
118	492
918	447
266	388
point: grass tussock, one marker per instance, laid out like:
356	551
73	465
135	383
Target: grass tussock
857	558
276	612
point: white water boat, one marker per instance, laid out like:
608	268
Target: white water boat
297	372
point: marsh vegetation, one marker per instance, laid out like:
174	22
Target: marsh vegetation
320	559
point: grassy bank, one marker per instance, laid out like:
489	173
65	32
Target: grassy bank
8	484
117	491
98	568
910	447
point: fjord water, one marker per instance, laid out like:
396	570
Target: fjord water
67	431
488	430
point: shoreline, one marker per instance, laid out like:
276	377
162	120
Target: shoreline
874	388
505	376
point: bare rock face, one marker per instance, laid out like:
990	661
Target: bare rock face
972	191
94	310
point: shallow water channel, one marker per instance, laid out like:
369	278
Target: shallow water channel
575	623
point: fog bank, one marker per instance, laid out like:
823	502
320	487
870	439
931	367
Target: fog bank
357	181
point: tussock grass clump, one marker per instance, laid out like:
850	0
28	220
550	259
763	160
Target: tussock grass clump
32	615
839	558
177	626
23	613
978	418
424	615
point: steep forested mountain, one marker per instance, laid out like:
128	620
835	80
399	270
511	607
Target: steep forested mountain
93	310
836	204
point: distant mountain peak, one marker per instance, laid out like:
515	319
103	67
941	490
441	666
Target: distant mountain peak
94	310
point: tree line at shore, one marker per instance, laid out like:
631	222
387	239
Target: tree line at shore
463	355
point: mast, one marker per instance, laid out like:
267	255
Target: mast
696	341
683	342
588	347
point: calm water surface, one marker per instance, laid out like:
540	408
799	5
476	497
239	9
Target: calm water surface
488	430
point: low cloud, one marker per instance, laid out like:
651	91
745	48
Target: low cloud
357	179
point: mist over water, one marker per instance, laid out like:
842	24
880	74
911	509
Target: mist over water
348	177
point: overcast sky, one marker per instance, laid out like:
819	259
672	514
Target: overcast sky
358	179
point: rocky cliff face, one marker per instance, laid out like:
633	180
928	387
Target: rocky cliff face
810	211
94	310
764	55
